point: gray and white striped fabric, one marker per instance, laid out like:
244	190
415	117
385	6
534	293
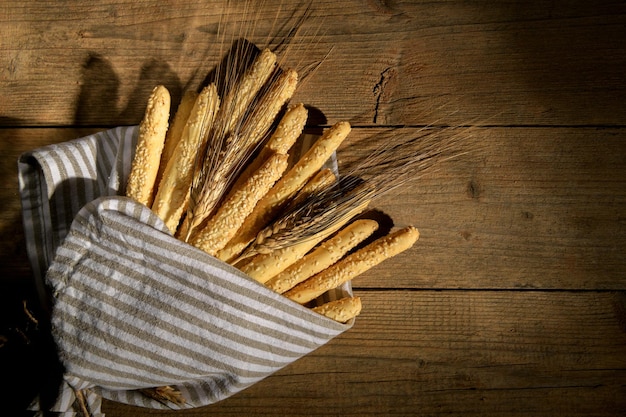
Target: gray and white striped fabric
133	307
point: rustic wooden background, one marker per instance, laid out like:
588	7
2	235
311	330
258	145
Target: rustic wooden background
512	303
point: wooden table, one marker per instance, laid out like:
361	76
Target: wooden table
512	303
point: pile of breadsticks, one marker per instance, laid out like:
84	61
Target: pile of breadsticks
219	175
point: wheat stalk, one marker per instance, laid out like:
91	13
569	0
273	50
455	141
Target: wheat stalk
390	166
164	394
221	152
318	212
249	106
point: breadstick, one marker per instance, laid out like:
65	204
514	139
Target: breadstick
175	131
285	189
276	146
288	130
324	256
231	214
282	139
152	131
340	310
265	266
353	265
258	123
173	192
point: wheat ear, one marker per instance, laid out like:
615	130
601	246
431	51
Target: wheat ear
164	394
277	258
395	162
241	94
230	142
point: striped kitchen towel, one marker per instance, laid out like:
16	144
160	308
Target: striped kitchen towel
131	306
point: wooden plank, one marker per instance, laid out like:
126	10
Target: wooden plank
514	353
512	303
412	62
531	208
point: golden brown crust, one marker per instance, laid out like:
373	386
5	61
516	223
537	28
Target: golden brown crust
175	131
341	310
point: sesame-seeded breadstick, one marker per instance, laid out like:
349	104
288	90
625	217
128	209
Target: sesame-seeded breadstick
258	123
354	264
173	192
324	256
340	310
285	189
288	130
175	131
152	131
231	214
277	144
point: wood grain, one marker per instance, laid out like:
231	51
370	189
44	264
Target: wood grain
513	301
527	208
453	353
413	62
530	208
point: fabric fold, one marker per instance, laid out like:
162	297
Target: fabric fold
136	308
